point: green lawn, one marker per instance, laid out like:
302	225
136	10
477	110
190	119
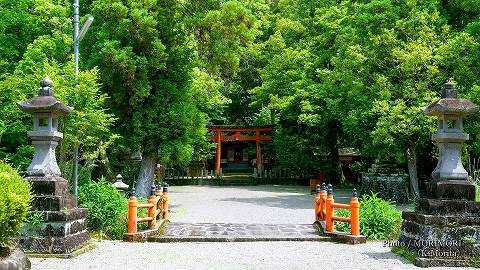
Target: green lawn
478	193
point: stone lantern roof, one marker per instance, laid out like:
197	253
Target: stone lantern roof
450	104
45	101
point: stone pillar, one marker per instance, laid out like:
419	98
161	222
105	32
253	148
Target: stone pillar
444	229
63	229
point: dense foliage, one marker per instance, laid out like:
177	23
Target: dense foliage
14	202
107	209
89	126
378	218
329	74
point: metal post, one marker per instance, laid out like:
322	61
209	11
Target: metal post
76	26
77	36
76	22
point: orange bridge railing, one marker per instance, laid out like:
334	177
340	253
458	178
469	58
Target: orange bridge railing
157	206
325	209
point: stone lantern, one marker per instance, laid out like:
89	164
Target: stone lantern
119	184
444	230
45	135
64	227
449	179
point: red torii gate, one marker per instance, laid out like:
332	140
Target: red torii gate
239	136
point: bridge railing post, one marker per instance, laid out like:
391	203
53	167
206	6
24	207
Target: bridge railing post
165	201
152	210
355	214
317	203
132	213
329	209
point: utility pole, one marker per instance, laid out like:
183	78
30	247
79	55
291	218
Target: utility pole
77	37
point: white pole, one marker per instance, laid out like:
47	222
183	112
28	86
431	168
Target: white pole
76	27
76	41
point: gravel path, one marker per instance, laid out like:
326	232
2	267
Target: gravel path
251	204
114	255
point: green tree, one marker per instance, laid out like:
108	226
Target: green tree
222	35
51	54
145	62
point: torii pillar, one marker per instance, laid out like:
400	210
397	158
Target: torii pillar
219	152
259	153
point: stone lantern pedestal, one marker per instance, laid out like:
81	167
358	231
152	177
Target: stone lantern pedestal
444	229
64	226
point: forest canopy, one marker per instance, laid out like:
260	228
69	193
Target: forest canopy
154	74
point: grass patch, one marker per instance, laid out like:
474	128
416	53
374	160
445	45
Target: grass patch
405	253
478	193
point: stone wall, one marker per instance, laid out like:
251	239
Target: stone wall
388	186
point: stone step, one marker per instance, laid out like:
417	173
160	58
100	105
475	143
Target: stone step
54	245
447	221
238	232
433	232
437	207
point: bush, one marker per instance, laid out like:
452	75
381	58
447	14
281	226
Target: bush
378	218
15	198
107	208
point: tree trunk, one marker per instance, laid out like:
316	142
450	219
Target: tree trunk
336	172
146	176
412	170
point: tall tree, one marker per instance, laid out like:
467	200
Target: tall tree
145	62
34	43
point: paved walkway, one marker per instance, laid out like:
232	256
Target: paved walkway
237	232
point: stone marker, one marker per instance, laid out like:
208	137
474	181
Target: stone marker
444	229
63	229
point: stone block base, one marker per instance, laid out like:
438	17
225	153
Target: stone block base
61	232
452	190
341	237
53	203
141	236
443	232
436	262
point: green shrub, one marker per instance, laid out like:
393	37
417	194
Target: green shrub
406	253
378	218
107	208
15	198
